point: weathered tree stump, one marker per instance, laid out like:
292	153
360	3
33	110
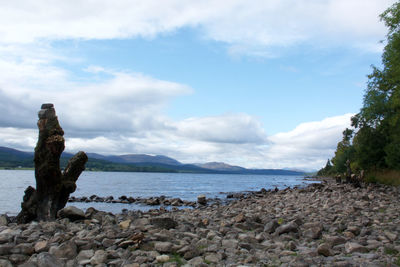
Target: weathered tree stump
53	187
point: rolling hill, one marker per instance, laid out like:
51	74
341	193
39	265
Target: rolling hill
13	159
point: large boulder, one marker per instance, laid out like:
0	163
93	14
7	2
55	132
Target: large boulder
72	213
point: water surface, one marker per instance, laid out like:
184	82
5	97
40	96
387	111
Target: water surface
186	186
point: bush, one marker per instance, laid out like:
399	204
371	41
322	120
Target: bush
388	177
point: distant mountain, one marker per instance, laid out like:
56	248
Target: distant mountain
136	158
220	166
12	158
13	153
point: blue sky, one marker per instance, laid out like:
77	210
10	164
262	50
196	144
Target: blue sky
300	84
262	84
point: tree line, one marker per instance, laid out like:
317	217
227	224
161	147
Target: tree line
373	142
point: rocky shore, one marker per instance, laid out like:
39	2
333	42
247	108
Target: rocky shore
325	224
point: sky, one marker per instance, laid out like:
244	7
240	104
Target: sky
260	84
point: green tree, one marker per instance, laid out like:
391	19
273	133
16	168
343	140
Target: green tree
344	151
327	170
377	141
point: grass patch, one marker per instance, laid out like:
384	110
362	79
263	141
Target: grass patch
177	259
207	262
388	177
397	262
390	251
280	221
201	247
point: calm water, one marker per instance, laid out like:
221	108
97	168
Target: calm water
182	185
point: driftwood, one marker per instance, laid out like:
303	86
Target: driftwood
53	187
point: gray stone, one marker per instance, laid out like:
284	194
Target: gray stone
336	240
391	236
85	255
197	261
108	242
163	247
5	249
313	232
287	228
99	257
213	258
5	263
201	199
66	250
354	229
17	259
46	259
141	223
27	264
230	243
72	213
72	263
4	220
41	246
24	248
352	247
324	250
162	258
292	245
271	226
163	222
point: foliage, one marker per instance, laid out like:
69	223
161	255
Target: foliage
377	142
176	258
327	170
344	152
374	145
389	177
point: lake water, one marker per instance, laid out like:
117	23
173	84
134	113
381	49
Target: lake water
186	186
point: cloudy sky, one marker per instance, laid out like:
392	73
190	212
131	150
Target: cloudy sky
261	84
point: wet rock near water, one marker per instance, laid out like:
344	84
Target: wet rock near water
151	201
328	224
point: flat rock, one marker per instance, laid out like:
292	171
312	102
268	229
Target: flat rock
5	263
41	246
287	228
163	222
72	213
324	250
46	259
125	224
271	226
4	220
336	240
85	255
352	247
99	257
162	258
66	250
391	236
163	247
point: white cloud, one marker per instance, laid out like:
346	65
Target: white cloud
306	147
124	101
309	145
229	128
18	138
247	26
